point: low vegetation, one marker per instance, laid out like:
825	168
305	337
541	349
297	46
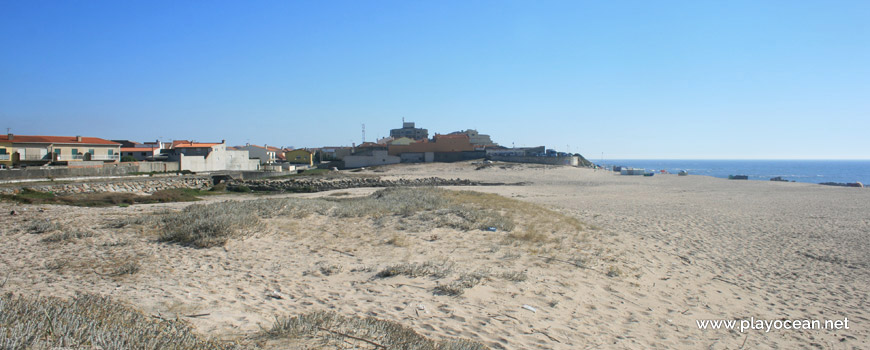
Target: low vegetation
43	226
89	321
426	269
410	209
204	226
441	270
465	281
67	236
334	331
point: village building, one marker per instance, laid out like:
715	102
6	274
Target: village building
42	150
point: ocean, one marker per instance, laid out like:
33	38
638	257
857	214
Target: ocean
811	171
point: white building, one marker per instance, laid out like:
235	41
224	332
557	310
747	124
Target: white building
206	157
266	154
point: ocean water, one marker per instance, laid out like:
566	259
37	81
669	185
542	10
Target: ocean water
812	171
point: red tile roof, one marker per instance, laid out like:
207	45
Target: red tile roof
56	139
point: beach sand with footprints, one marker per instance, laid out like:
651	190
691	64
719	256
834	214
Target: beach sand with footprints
577	259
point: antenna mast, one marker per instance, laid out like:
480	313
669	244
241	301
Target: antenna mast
364	133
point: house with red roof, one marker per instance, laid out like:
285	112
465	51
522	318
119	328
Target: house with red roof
41	150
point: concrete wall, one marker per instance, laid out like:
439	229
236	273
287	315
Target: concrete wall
219	160
160	167
567	160
80	169
410	157
377	158
63	171
458	156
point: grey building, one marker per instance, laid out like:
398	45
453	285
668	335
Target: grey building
408	130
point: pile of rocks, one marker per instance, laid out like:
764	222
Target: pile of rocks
133	185
317	185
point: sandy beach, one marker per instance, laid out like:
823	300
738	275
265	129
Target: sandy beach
652	257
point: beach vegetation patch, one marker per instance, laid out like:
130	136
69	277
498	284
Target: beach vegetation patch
90	321
335	331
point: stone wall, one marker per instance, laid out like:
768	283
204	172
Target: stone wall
317	185
141	185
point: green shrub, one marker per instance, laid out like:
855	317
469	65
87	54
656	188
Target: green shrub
240	188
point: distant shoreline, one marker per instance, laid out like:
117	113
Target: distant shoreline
805	171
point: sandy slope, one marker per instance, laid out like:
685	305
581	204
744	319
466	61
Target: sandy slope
687	248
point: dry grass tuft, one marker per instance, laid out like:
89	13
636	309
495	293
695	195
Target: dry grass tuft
67	236
613	271
429	268
90	321
204	226
399	241
127	268
334	331
465	281
514	276
529	236
43	226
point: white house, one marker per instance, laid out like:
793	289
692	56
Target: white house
205	157
266	154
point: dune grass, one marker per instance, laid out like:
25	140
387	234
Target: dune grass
90	321
409	209
334	331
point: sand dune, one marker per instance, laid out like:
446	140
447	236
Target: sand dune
656	255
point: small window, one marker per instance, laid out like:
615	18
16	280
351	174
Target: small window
2	151
143	154
91	151
111	152
57	151
75	151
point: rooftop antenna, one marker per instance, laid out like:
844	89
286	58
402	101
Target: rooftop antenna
364	133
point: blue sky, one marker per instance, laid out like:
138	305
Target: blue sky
629	79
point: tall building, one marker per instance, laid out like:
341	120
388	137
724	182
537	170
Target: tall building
408	130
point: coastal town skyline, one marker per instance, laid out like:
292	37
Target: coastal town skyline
737	80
